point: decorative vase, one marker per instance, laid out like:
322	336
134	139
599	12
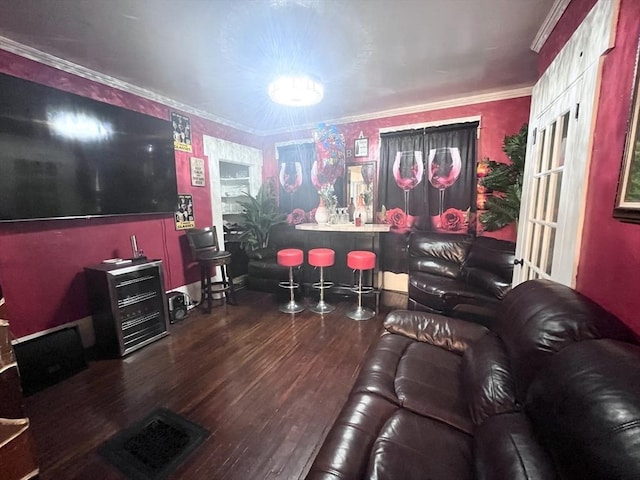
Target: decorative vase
322	213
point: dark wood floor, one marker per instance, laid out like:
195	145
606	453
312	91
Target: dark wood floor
267	385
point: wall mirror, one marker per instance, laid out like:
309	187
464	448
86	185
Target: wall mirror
361	181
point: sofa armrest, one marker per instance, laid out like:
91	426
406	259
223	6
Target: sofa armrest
449	333
262	253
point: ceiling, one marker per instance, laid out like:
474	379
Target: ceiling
217	56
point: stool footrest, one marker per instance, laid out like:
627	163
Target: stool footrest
293	285
322	285
362	290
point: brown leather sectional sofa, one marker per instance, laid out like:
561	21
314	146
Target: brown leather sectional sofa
553	391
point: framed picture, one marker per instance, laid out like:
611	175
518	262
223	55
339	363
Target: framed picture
361	147
185	217
197	172
181	132
627	207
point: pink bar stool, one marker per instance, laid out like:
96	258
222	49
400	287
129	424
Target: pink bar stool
361	260
320	258
290	257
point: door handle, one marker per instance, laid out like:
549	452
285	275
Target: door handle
518	261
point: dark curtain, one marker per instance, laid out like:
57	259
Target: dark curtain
452	149
389	193
294	160
450	153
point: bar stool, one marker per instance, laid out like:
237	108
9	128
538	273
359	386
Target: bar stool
361	260
290	257
320	258
205	250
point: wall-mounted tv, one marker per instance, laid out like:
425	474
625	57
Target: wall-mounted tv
67	156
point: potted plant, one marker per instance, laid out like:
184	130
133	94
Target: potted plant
259	216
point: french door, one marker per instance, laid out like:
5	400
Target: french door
558	153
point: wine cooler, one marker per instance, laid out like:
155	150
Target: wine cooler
128	303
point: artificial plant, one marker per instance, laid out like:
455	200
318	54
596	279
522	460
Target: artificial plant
259	216
505	180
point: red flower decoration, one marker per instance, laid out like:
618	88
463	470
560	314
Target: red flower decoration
396	218
453	220
296	217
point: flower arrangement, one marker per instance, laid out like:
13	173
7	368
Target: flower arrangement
328	197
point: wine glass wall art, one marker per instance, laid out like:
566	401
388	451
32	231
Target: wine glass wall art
290	178
408	169
443	170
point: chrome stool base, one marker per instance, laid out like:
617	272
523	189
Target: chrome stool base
322	307
291	307
360	313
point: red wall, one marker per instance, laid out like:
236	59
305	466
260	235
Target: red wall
499	118
41	263
609	267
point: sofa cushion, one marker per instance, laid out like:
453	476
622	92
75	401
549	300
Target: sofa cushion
437	253
505	448
491	255
409	446
374	438
266	253
539	318
269	269
585	407
487	379
443	294
489	282
419	377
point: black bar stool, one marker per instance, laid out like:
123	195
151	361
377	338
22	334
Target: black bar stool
206	251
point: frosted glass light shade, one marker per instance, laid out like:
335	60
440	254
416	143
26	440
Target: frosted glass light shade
296	91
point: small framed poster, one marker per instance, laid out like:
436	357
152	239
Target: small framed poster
361	147
197	172
185	217
181	132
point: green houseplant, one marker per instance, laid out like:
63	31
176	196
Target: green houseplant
260	214
505	180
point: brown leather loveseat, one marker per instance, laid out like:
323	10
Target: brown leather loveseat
552	392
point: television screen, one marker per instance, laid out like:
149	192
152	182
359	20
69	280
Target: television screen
63	156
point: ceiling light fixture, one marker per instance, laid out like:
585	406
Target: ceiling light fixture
296	91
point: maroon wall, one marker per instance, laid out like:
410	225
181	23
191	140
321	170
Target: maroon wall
609	267
499	118
41	263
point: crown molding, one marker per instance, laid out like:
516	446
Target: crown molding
553	17
84	72
425	107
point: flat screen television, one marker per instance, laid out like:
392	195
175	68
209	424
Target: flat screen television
67	156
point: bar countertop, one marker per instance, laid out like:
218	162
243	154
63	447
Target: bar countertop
344	227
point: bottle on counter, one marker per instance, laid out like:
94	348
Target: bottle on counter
352	209
360	211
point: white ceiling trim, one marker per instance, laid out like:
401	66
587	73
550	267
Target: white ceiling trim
425	107
553	17
84	72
